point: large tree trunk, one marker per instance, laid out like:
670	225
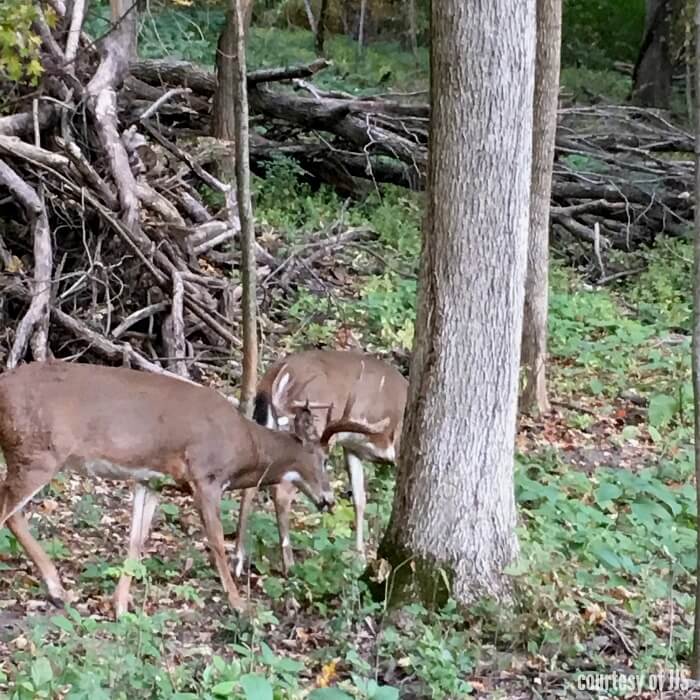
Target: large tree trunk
695	662
653	71
544	128
454	515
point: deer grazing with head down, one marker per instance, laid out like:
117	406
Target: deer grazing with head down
122	424
357	400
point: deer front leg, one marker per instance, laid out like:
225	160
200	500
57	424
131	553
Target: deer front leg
20	529
17	490
283	496
208	502
244	513
143	509
357	482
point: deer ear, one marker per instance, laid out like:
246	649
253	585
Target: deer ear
304	427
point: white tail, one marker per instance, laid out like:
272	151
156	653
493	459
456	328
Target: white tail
122	424
356	399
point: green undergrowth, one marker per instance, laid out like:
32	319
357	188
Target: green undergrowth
191	33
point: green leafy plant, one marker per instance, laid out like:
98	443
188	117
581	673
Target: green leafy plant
19	44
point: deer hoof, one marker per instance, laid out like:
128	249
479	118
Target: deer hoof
60	597
238	604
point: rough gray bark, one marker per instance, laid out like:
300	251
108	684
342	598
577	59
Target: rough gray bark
534	399
653	71
695	661
454	515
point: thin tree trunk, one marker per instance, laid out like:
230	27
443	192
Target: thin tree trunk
534	398
453	519
231	124
223	123
247	12
245	212
361	29
413	29
310	16
695	663
321	28
125	15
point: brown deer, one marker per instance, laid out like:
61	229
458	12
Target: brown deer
121	424
356	398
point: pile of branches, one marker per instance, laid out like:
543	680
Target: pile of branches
627	169
117	239
622	176
116	234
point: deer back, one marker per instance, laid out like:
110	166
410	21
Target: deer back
374	389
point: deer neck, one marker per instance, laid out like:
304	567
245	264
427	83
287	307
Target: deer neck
276	454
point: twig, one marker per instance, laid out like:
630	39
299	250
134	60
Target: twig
138	316
174	92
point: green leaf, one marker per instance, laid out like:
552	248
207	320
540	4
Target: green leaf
63	623
654	434
256	687
289	665
170	509
652	508
606	555
596	386
606	492
662	408
329	694
385	692
41	673
224	690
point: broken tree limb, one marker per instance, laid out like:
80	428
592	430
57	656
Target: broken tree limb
203	81
12	146
174	330
33	328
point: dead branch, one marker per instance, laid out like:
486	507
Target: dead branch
33	328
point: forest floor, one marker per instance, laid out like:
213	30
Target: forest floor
604	485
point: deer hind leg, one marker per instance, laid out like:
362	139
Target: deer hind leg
244	513
143	510
353	464
15	493
283	495
208	502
